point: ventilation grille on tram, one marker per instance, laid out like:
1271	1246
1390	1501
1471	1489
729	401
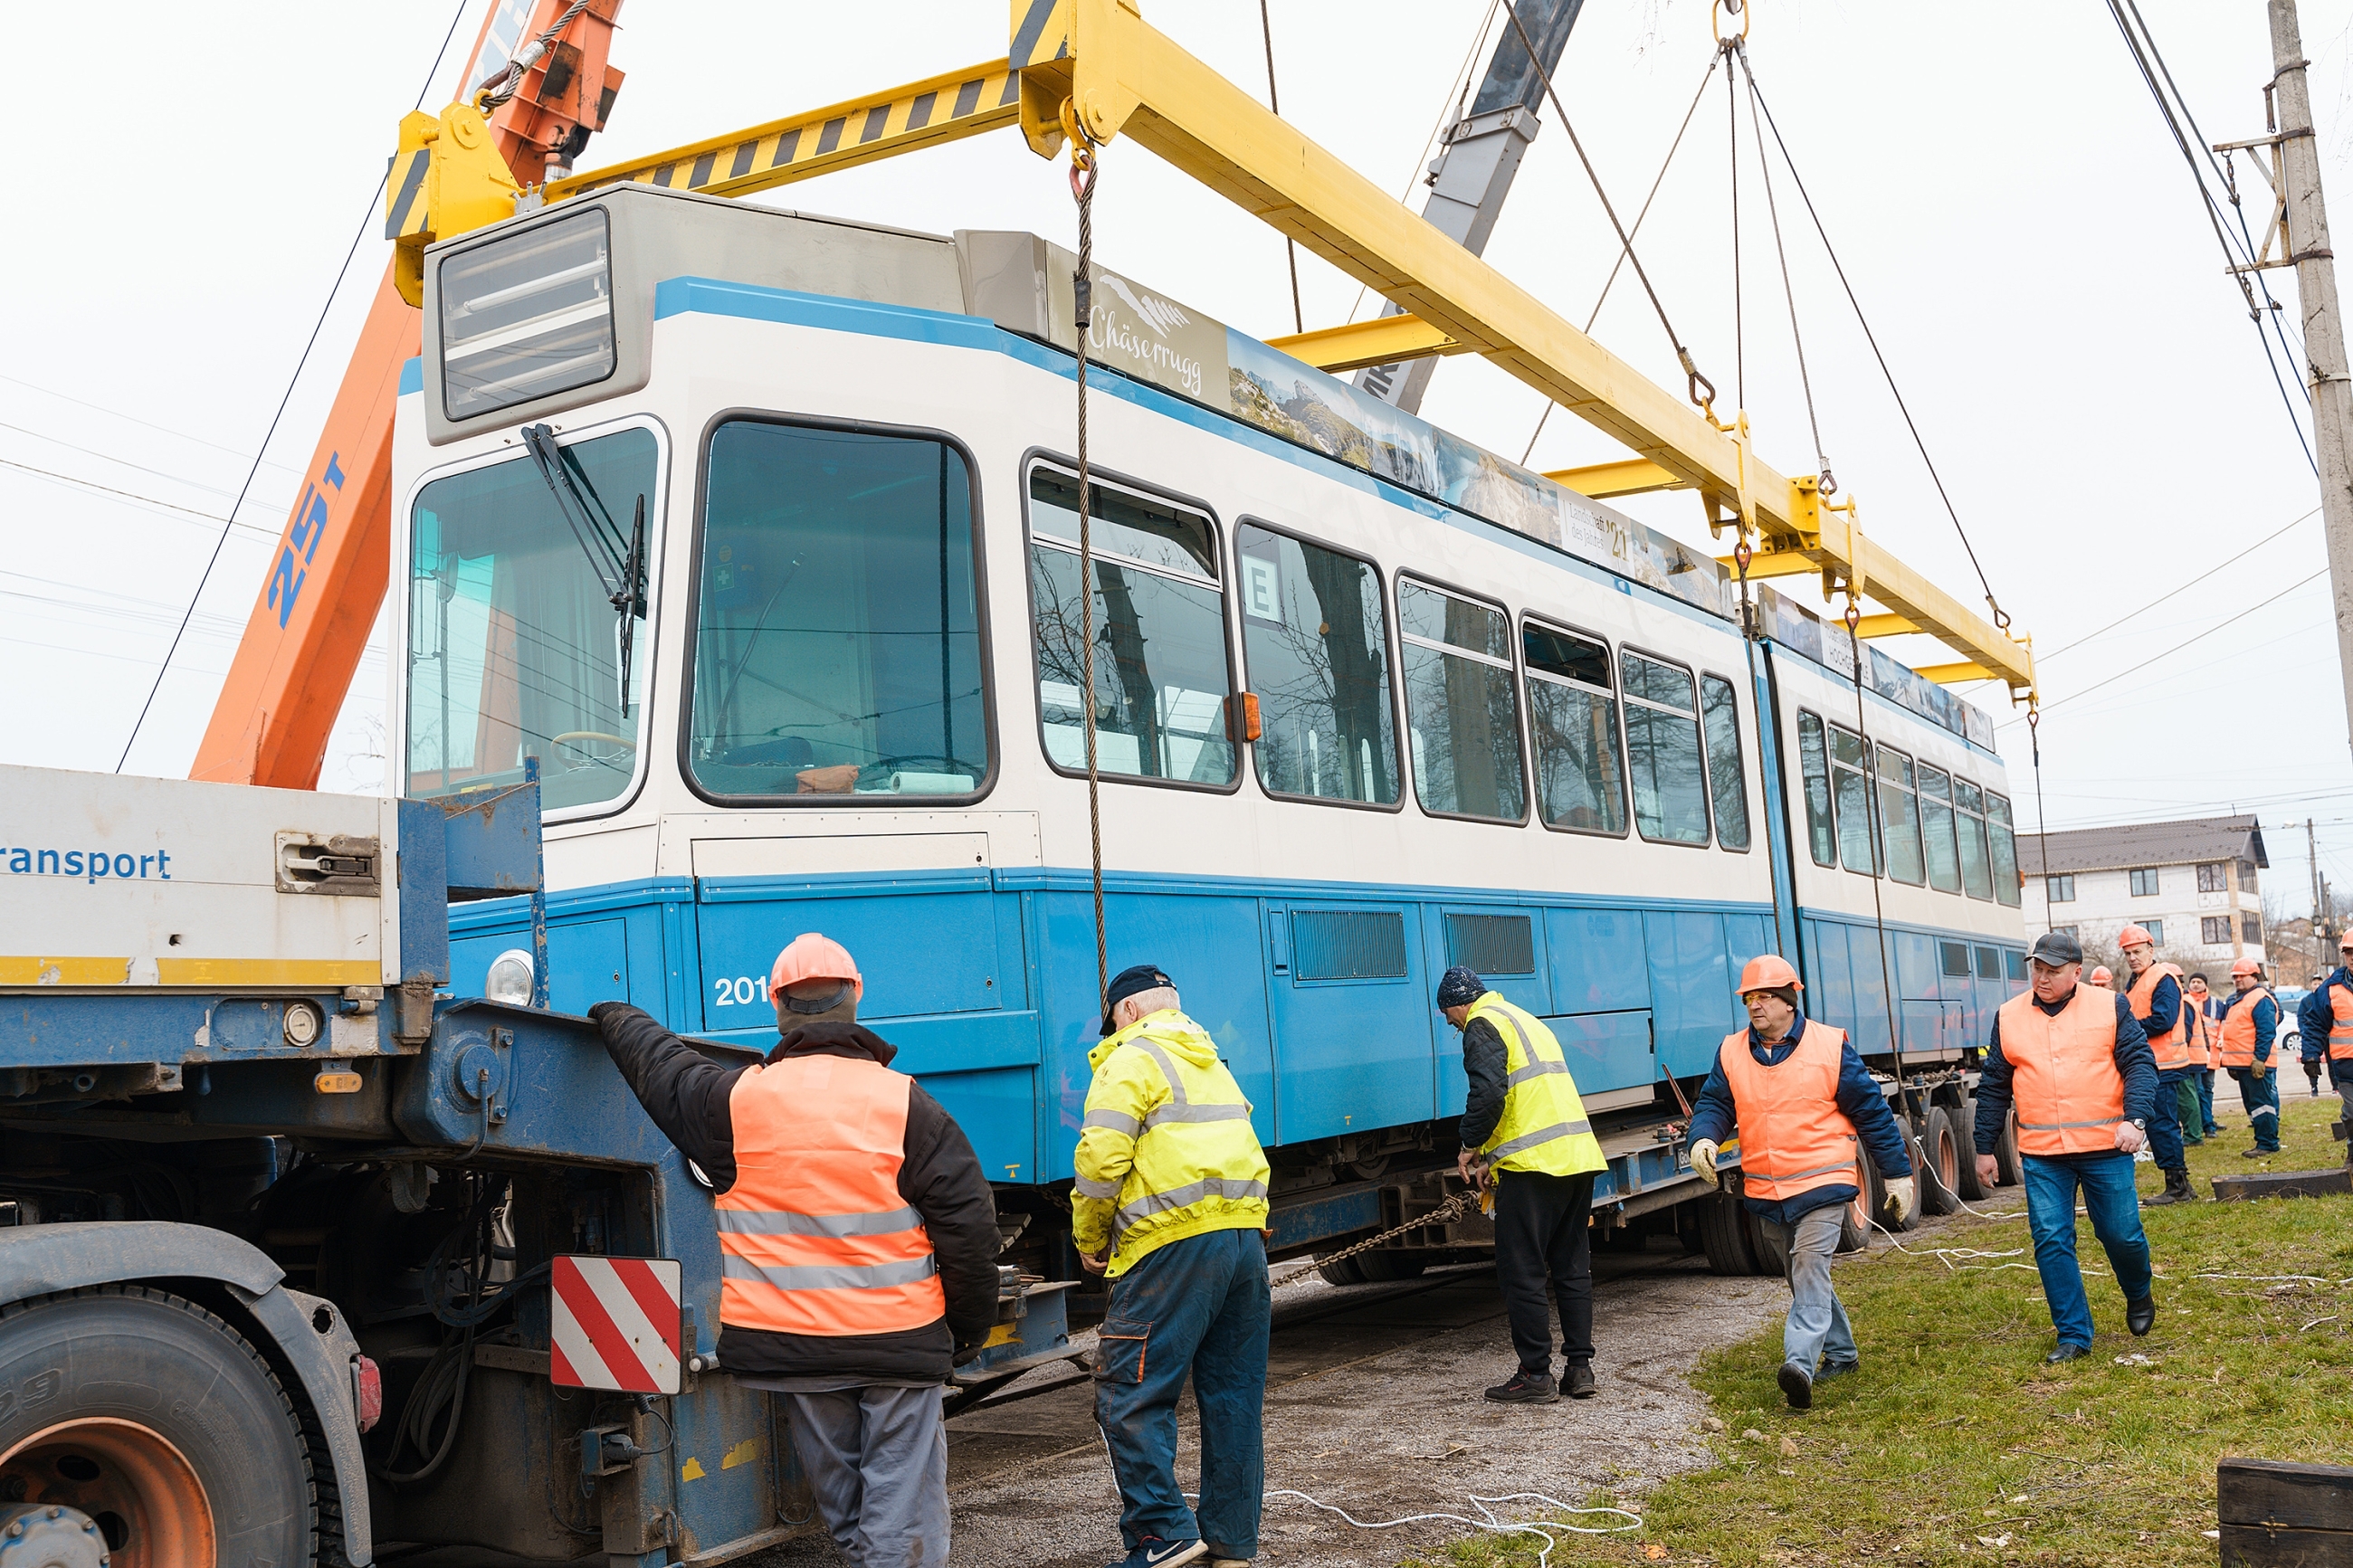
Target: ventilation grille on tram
1492	944
1348	944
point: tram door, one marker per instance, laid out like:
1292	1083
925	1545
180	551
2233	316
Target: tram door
1350	1004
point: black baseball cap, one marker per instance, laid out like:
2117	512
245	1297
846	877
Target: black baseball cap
2053	949
1133	980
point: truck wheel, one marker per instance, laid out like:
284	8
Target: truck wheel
160	1422
1965	1122
1347	1271
2006	1170
1760	1256
1919	1157
1940	1189
1723	1235
1381	1265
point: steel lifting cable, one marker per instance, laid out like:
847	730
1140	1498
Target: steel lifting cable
1701	390
1870	771
2041	824
1083	170
1826	481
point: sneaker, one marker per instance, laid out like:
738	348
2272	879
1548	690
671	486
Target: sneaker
1527	1388
1579	1382
1153	1552
1831	1369
1798	1384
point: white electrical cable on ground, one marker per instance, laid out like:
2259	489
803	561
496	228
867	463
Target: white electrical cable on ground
1488	1521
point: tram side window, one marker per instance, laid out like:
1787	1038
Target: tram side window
1461	706
1580	784
1814	758
2005	848
1899	816
1161	675
837	645
1943	851
1726	785
1315	646
1850	776
1662	751
1977	866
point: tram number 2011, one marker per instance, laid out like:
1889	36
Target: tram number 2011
741	991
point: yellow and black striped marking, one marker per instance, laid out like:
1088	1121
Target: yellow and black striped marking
941	109
404	214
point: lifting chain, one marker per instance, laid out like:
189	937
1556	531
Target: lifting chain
1083	170
1446	1213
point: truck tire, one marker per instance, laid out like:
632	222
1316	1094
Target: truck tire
2006	1170
161	1423
1724	1234
1919	1157
1940	1185
1347	1271
1382	1266
1966	1121
1760	1256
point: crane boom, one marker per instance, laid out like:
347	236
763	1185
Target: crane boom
326	579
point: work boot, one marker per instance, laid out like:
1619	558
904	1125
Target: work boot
1831	1369
2067	1353
2177	1190
1579	1382
1798	1384
1153	1552
2140	1314
1527	1388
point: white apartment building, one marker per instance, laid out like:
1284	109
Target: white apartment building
2191	883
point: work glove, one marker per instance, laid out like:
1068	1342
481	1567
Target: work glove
2259	1071
965	1352
596	1012
1703	1159
1904	1195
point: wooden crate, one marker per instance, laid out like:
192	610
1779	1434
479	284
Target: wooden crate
2285	1185
2275	1514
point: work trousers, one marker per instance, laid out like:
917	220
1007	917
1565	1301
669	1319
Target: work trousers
1544	1255
1195	1307
877	1459
2164	1131
1817	1329
2206	1102
2186	1106
2109	1197
2340	1073
2260	1096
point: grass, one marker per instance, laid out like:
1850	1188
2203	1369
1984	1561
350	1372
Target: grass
1955	1445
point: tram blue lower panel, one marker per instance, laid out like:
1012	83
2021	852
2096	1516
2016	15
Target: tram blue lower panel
1693	1000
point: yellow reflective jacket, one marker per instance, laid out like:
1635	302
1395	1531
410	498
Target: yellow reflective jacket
1542	1127
1167	1151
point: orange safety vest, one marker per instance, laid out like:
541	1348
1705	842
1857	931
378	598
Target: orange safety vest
2202	1043
815	1236
2172	1048
2239	1029
2064	1080
2340	1024
1793	1136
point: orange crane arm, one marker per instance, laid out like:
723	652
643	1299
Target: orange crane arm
326	580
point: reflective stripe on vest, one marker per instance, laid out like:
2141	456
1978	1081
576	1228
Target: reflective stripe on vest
1793	1136
2239	1027
2340	1024
2171	1049
815	1236
2063	1077
1544	1127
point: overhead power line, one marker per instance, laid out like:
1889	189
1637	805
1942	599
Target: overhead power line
2203	574
134	418
133	495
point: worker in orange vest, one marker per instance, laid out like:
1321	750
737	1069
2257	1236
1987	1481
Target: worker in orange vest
2156	997
2102	976
1806	1111
858	1238
2328	1015
2212	1007
2249	1025
2073	1058
2189	1094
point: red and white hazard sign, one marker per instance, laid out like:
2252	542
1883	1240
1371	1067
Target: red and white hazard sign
616	1324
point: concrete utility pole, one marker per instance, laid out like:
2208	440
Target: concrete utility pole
2324	331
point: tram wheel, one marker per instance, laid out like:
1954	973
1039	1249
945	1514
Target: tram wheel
1940	1191
161	1423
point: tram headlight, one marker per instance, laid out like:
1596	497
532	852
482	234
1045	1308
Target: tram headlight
510	978
527	316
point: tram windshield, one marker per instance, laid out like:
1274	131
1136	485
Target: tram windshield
514	650
837	625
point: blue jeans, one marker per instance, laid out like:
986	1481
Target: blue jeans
1198	1307
2165	1121
2206	1102
2107	1183
1817	1331
2260	1096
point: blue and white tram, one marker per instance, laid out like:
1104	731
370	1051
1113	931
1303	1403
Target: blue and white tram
759	532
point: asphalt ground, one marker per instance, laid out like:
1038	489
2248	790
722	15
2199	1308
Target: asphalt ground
1374	1405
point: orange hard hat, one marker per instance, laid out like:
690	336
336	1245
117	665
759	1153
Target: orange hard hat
1769	972
2245	966
2102	976
809	956
2135	936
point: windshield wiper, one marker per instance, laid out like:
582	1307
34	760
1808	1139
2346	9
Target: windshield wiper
618	560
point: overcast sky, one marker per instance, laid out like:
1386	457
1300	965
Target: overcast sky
2011	211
